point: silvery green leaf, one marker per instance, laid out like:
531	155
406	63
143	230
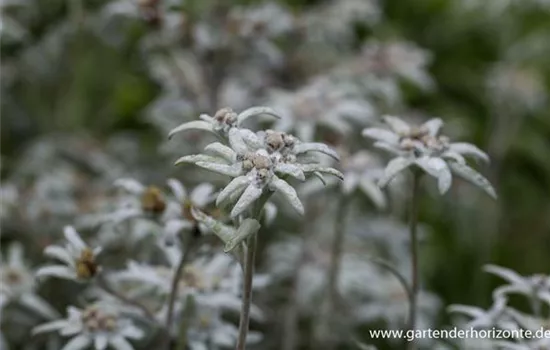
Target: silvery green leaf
454	156
247	228
373	192
469	150
237	184
236	141
312	168
224	232
195	124
255	111
195	158
233	170
363	346
381	135
394	167
248	197
304	147
290	169
288	192
474	177
350	182
437	168
222	151
433	125
397	124
251	139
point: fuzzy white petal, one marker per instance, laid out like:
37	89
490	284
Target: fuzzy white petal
474	177
15	255
119	343
220	150
381	135
50	326
256	111
78	343
236	184
197	158
249	195
130	185
178	189
394	167
195	124
59	253
374	192
437	168
39	305
236	141
433	125
507	274
100	341
202	194
468	149
288	192
73	237
229	170
315	147
397	124
56	271
290	169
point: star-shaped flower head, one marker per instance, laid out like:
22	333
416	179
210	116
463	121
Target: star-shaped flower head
425	148
99	326
361	172
321	103
79	260
17	283
259	163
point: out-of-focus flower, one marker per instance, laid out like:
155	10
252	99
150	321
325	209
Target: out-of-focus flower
361	172
257	162
536	286
424	148
79	260
320	103
99	326
17	284
496	316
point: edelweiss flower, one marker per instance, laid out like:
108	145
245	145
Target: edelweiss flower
98	325
79	259
17	284
258	163
536	286
526	322
173	210
425	148
361	172
321	103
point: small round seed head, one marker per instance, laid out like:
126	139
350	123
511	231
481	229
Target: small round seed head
92	324
274	140
248	165
289	140
261	162
222	114
263	174
186	207
86	267
12	276
418	132
407	144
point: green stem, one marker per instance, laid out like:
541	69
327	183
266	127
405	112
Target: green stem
333	275
249	274
174	291
413	223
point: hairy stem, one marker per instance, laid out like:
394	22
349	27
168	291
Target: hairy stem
333	275
249	274
174	290
247	291
413	223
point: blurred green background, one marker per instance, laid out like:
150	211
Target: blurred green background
492	74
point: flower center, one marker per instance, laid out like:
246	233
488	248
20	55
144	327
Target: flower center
12	276
152	200
95	320
86	267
